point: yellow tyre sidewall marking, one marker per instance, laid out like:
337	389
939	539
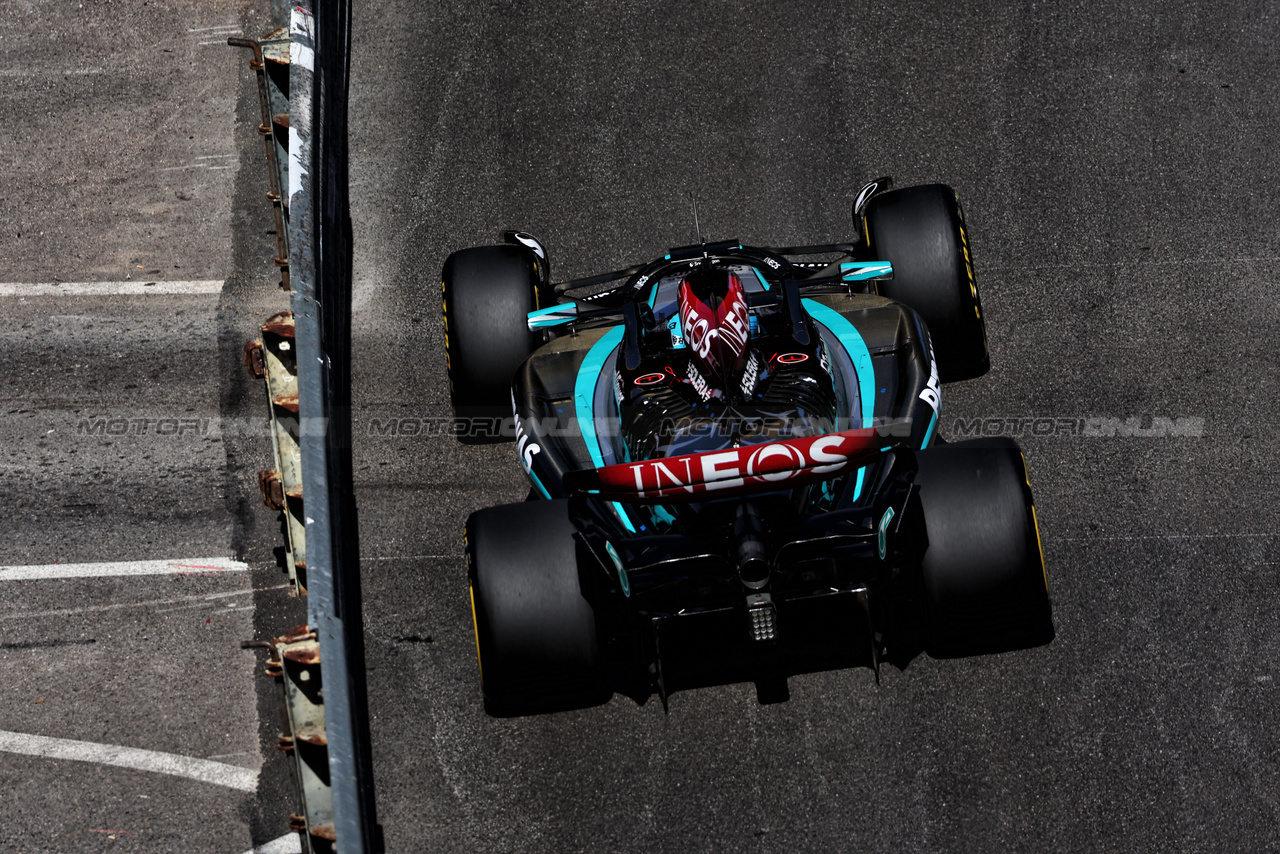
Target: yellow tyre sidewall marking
1044	570
1035	523
471	589
444	301
476	625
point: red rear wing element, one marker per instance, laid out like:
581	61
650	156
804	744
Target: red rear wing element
749	468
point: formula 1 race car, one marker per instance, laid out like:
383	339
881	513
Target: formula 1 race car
735	463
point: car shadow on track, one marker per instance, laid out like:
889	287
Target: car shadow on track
715	649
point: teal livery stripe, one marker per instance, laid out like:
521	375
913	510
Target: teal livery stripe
928	434
622	515
552	315
538	484
865	270
851	339
584	390
584	394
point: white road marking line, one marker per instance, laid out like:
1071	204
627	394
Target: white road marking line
218	27
241	592
88	609
186	607
197	566
45	72
289	844
204	770
225	609
95	289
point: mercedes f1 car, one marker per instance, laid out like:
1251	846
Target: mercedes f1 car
735	458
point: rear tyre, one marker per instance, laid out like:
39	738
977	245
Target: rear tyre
488	293
920	230
536	635
985	585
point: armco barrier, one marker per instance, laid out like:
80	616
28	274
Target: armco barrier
304	357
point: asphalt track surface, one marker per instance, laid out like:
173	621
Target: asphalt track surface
130	719
1117	164
1117	167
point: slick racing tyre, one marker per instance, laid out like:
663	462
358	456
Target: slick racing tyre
488	293
536	635
920	230
985	586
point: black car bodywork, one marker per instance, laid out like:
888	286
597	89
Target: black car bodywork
833	356
798	518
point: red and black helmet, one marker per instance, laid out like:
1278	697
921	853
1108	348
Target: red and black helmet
716	323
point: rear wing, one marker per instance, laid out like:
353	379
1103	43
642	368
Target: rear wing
847	271
734	471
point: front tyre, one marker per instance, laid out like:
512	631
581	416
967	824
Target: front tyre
920	230
488	292
985	585
536	635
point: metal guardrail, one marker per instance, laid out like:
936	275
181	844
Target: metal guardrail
296	661
274	359
321	257
271	64
303	357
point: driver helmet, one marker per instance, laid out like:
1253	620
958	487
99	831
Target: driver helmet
716	323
